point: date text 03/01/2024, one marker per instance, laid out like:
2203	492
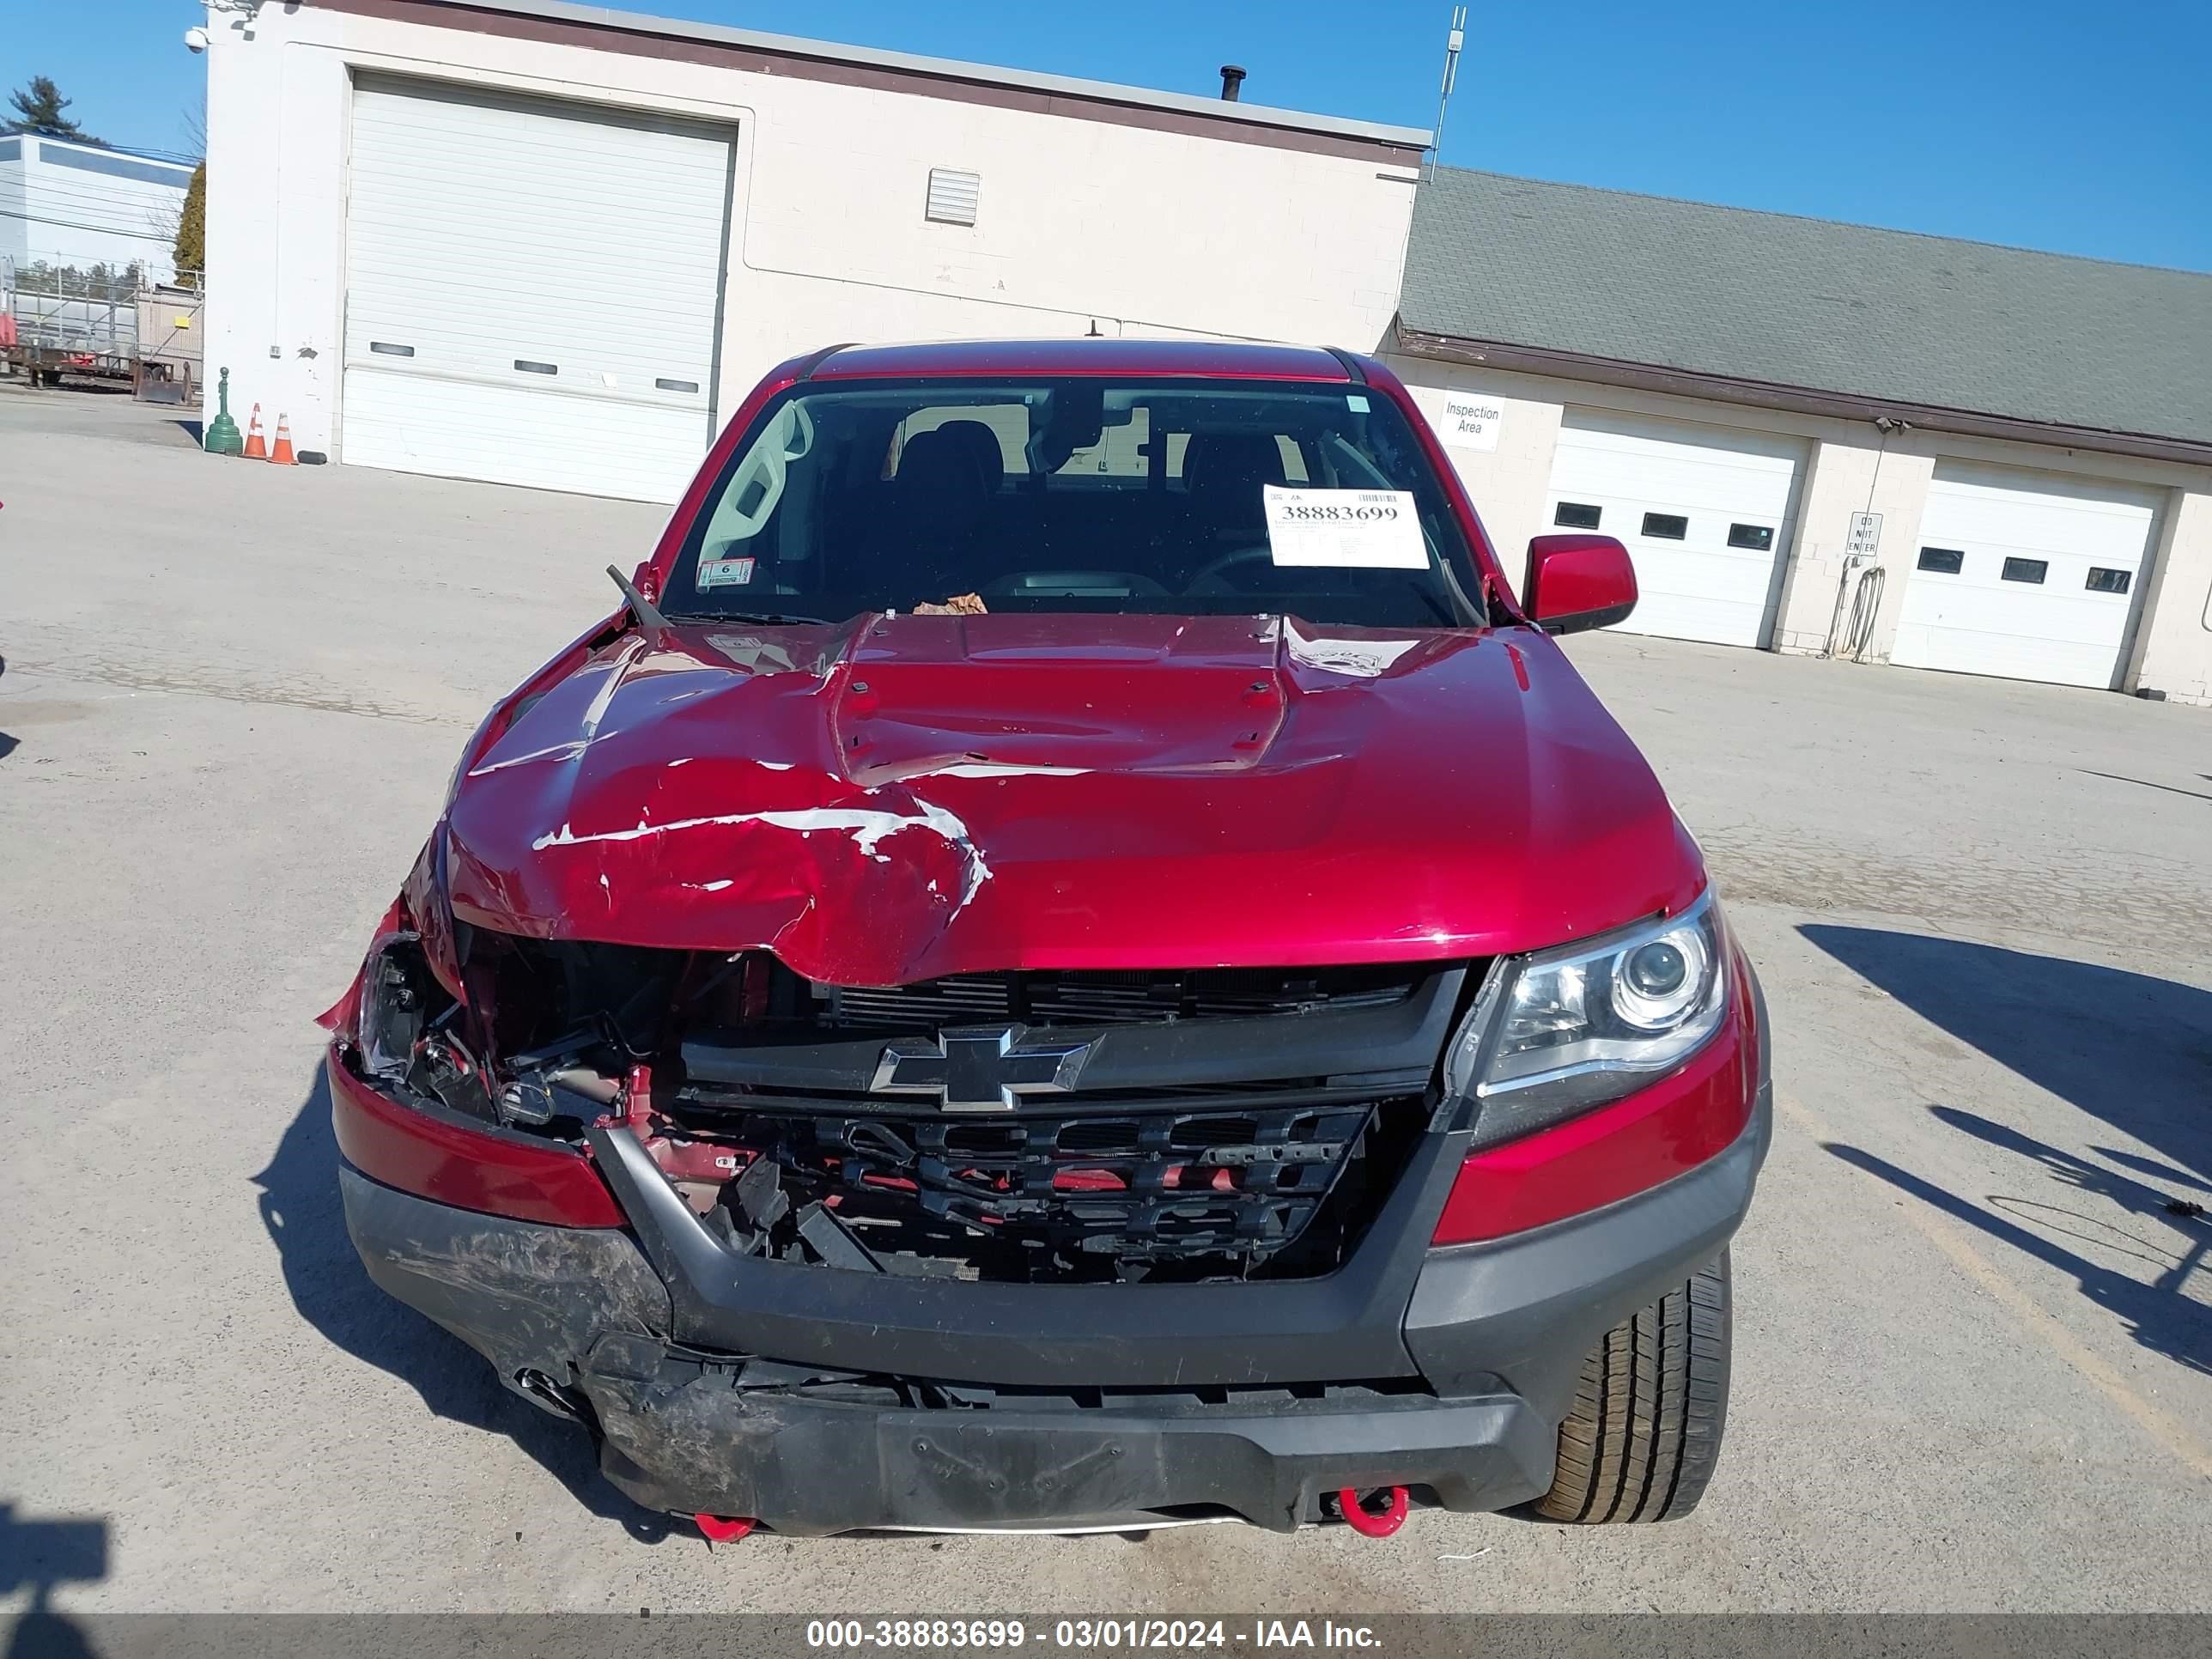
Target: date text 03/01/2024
1084	1634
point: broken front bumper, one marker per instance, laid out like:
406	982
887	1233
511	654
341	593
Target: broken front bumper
679	1437
1048	1406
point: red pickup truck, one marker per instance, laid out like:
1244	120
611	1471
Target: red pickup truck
1075	955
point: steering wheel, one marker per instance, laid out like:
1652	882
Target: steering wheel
1215	570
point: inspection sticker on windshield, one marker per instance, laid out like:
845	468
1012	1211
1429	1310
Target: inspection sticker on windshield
724	572
1347	529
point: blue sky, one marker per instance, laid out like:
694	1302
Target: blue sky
2082	128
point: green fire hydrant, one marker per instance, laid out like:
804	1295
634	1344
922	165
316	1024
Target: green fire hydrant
222	437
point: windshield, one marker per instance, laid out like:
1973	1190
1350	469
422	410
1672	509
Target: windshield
966	496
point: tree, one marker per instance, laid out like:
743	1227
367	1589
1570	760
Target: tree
99	282
39	109
191	255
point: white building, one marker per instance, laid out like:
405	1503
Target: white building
78	205
554	245
1826	438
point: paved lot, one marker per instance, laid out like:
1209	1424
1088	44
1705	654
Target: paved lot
1974	1357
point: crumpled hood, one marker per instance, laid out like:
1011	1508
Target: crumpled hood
903	798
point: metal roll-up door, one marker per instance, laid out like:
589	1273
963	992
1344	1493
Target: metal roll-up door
534	290
1704	513
2027	576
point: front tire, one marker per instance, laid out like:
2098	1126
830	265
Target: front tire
1644	1434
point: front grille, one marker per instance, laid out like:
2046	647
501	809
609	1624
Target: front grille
1169	1125
1074	1195
1111	997
1174	1126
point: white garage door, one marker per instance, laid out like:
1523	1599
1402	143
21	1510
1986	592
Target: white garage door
533	291
1704	511
2024	575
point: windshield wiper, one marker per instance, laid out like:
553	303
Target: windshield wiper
1444	612
758	618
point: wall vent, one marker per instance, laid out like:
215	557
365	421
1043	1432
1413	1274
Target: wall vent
952	196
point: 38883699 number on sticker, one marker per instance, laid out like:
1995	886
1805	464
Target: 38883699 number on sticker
1074	1635
1361	512
1344	529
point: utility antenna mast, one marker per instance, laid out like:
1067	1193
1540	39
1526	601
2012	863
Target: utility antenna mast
1453	42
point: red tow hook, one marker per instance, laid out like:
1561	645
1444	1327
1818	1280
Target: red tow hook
1365	1521
724	1529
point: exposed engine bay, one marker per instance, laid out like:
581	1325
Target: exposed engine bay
777	1106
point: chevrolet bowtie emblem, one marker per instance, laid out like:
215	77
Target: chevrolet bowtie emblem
980	1068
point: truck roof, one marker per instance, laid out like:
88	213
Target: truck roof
1207	359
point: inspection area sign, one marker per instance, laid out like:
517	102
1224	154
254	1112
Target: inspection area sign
1472	422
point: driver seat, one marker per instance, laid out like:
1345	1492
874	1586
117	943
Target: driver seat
936	500
1224	473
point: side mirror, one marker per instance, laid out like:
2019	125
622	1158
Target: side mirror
1576	582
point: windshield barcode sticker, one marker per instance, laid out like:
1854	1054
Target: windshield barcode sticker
724	572
1346	529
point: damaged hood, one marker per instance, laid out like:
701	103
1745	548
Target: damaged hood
903	797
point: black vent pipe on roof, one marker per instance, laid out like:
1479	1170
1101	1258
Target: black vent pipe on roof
1232	77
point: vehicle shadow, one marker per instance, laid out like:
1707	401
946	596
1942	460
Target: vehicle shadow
300	1208
2129	1049
40	1555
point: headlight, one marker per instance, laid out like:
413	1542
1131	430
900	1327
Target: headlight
1562	1031
393	1005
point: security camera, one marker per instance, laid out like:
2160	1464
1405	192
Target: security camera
195	39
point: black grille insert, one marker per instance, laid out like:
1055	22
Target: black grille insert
1091	1195
1111	997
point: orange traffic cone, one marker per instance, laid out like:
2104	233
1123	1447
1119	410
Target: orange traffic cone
256	448
283	455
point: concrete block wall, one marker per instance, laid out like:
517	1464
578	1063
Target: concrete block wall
1507	483
1850	472
2173	641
